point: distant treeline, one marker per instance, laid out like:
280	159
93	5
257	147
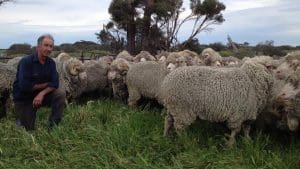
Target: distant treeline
244	49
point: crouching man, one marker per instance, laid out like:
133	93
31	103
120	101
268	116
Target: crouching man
37	84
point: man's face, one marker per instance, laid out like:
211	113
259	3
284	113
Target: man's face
46	47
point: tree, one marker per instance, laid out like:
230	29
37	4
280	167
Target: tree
154	24
203	14
141	19
123	13
268	48
19	49
111	37
4	1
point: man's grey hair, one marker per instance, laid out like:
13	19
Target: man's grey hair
42	37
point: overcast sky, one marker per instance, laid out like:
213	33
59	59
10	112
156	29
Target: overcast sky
69	21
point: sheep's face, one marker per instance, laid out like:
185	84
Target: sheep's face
75	67
181	61
282	71
287	104
112	74
171	66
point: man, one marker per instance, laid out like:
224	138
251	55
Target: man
36	85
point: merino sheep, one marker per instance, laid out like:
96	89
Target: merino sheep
125	55
14	61
63	57
211	57
234	95
144	79
117	74
7	76
96	76
72	77
230	61
287	103
144	56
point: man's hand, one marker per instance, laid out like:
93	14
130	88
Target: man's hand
38	100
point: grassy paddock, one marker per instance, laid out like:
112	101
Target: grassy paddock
106	134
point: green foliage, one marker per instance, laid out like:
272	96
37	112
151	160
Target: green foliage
226	53
106	134
19	49
67	47
268	48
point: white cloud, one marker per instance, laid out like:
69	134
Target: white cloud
69	21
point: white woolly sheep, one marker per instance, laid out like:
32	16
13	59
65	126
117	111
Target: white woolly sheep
7	76
287	103
144	79
231	61
96	76
63	57
234	95
143	56
14	61
117	74
125	55
72	77
211	57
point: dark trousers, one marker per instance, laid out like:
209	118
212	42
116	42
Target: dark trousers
27	114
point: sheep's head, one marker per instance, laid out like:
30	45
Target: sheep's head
63	57
287	103
119	66
171	67
181	61
283	71
75	67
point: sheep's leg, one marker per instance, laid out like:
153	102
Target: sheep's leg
246	129
231	139
133	96
169	124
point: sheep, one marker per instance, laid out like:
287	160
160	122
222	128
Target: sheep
144	79
230	61
125	55
293	55
105	61
63	57
14	61
286	69
7	76
287	103
180	61
72	77
116	74
211	57
144	56
234	95
162	54
96	76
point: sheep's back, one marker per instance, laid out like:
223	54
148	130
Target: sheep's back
213	94
146	77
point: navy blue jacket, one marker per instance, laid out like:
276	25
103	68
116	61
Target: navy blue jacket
30	72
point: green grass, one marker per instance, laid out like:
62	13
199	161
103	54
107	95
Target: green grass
106	134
